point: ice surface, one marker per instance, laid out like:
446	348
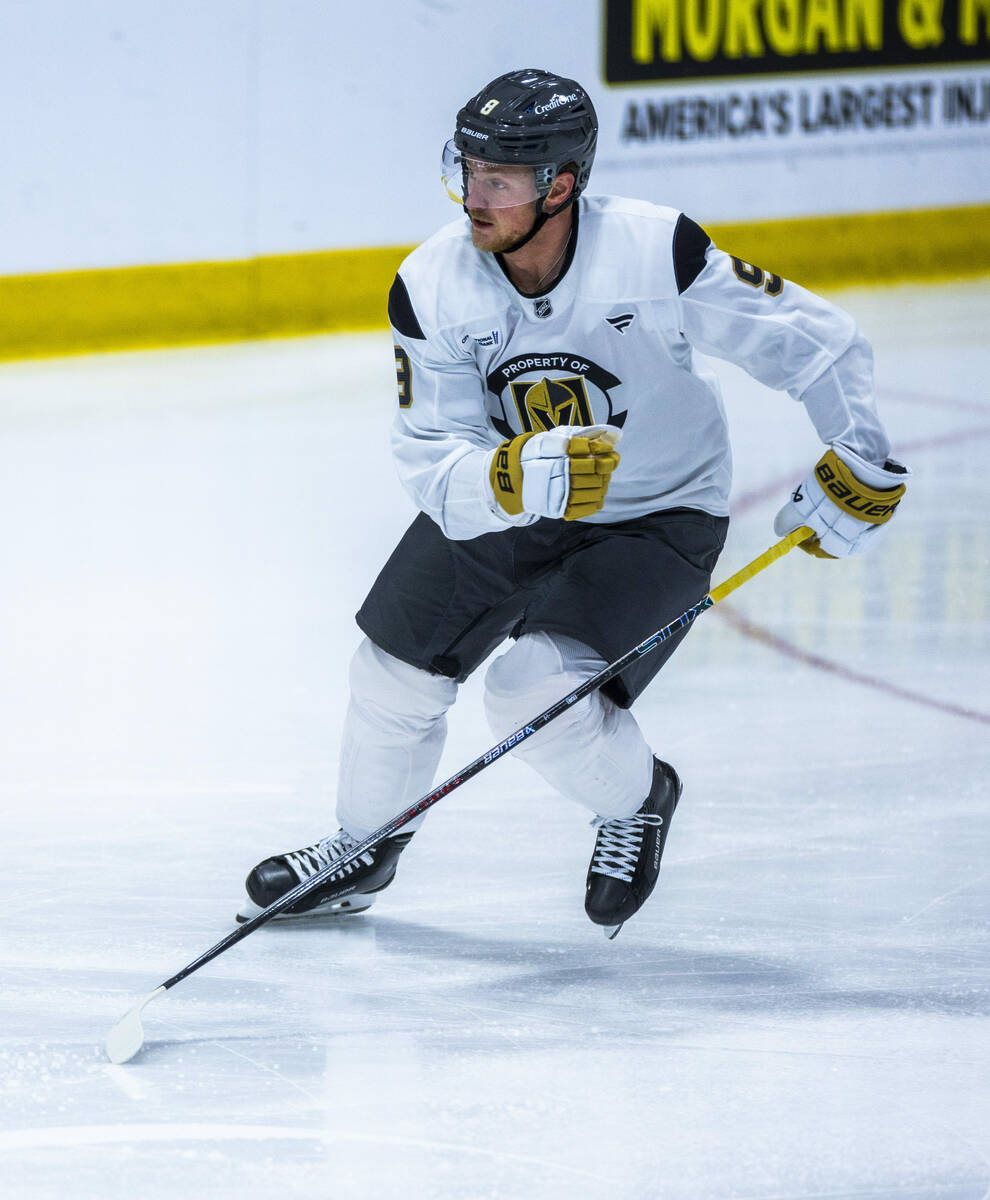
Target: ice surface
801	1011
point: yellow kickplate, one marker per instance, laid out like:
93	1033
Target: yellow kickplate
174	304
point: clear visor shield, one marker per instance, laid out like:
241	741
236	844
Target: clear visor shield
477	184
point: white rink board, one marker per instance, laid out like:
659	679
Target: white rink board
800	1011
147	132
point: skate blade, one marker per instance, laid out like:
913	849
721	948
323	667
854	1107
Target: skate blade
325	912
612	931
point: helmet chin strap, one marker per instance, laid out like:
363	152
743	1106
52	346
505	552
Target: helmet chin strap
539	221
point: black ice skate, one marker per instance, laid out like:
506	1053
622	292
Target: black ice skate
626	861
350	890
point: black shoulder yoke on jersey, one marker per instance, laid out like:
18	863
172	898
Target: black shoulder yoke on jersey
400	312
690	245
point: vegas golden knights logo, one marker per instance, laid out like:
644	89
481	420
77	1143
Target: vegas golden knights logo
524	397
551	402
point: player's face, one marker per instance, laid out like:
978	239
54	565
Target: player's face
496	229
501	202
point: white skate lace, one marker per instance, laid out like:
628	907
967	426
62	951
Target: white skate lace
311	859
618	844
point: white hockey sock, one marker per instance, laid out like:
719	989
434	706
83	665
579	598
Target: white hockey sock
595	752
393	737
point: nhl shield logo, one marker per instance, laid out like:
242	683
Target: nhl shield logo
543	308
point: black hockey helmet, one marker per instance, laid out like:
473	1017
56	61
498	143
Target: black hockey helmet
530	117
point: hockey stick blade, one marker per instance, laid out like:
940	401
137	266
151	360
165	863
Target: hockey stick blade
127	1036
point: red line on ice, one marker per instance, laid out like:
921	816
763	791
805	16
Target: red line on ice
779	487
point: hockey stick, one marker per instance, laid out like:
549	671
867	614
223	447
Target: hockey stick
127	1036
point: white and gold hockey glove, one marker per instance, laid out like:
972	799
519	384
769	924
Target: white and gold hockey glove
846	501
563	473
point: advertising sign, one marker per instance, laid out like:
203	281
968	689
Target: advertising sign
717	79
649	41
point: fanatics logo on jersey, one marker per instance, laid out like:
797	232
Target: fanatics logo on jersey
622	321
543	308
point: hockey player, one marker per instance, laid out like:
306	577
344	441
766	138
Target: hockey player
531	334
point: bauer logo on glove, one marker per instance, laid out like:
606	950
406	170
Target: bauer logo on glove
846	501
563	473
869	504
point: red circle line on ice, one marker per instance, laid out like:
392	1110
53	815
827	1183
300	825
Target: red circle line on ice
766	637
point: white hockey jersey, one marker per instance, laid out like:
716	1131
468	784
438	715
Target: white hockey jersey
611	343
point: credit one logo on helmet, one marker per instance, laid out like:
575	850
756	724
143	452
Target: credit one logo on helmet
654	41
535	392
556	101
